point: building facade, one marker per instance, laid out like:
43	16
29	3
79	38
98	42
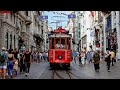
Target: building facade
17	29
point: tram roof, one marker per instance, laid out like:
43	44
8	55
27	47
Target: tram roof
60	30
60	35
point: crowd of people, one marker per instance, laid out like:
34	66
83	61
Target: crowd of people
95	57
12	61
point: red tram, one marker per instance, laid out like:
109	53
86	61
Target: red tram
60	52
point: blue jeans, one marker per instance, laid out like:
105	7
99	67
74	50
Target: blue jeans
10	67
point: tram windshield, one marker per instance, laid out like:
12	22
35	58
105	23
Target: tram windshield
60	43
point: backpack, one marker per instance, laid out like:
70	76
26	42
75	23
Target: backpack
2	58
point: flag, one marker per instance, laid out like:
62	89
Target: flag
43	17
92	13
72	16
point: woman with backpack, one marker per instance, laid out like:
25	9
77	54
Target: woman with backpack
96	58
3	63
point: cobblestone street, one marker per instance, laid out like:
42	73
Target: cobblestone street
43	71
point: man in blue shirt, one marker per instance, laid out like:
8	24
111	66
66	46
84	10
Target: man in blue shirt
74	55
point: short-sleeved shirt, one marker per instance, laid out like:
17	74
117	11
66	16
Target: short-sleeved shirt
27	57
5	57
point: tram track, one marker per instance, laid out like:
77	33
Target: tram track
69	74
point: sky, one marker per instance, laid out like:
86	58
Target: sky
54	16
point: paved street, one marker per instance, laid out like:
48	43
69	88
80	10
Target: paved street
43	71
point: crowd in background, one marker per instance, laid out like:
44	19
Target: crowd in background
12	61
95	57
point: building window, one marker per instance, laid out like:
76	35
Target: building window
7	40
11	17
6	16
10	41
14	41
14	18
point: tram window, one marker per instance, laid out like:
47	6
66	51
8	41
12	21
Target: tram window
52	43
63	42
57	44
69	43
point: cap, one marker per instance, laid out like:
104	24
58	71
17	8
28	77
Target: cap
3	48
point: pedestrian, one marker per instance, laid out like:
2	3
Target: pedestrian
22	65
112	57
11	61
92	54
38	57
41	58
108	60
15	67
74	56
82	58
7	62
88	56
27	59
96	58
102	55
35	56
16	54
47	55
44	56
3	63
79	58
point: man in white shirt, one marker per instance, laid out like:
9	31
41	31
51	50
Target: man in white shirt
58	45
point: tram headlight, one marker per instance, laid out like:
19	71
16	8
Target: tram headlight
59	56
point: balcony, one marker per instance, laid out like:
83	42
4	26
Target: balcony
28	20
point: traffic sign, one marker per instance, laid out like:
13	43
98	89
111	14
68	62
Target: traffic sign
43	17
72	16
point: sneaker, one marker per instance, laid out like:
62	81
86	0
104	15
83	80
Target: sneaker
108	70
25	74
98	70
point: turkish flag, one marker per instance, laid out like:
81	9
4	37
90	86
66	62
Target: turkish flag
92	13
